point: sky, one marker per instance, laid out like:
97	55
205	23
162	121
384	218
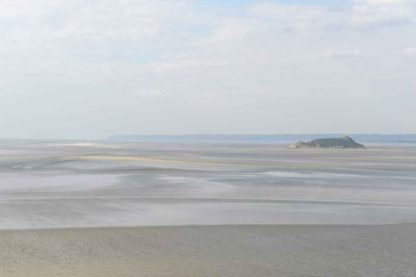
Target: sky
89	69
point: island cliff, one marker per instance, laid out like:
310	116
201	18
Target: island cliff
337	143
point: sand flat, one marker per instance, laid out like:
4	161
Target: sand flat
53	185
384	250
256	210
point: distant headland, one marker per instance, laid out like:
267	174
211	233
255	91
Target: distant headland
283	139
344	142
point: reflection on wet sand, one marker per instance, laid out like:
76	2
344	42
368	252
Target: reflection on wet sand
62	184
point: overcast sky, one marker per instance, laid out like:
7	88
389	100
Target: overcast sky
93	68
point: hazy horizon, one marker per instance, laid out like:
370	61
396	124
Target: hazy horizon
89	70
230	138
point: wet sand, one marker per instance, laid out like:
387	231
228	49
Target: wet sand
121	209
47	185
385	250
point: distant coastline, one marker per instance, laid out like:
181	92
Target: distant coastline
265	138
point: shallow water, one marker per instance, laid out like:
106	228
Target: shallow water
73	184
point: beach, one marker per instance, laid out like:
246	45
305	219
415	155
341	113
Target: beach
164	209
387	250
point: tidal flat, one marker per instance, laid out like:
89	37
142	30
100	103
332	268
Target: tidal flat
198	209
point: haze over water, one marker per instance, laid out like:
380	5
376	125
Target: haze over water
56	184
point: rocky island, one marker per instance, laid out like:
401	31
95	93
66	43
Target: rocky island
345	142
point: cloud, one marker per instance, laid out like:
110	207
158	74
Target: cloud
294	17
185	64
342	52
179	67
367	13
410	51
